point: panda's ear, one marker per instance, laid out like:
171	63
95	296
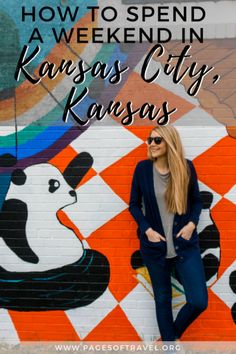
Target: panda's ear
78	168
18	177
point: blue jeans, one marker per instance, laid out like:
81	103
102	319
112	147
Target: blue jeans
192	276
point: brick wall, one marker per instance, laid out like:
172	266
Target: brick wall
70	265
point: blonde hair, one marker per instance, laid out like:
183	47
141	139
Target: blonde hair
177	187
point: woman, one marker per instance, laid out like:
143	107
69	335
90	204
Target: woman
166	204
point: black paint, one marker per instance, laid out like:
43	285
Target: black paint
71	286
232	284
18	177
232	281
77	169
13	218
7	160
207	199
211	265
136	260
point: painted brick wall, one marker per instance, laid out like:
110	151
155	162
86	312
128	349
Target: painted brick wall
70	265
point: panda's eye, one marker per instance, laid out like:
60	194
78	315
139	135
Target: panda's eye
54	184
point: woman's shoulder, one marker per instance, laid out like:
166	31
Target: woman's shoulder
190	164
192	170
143	164
143	168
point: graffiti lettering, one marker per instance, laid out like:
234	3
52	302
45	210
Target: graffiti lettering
71	104
113	73
127	114
22	62
176	69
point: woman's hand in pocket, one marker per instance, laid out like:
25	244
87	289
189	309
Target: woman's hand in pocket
154	236
186	231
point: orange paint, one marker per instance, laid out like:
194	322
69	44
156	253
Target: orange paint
224	215
117	240
115	323
216	166
214	324
43	326
65	220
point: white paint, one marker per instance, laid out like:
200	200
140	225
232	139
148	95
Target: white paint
10	130
8	333
222	289
85	319
106	144
139	307
97	204
197	117
231	195
196	140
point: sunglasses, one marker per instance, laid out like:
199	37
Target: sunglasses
157	140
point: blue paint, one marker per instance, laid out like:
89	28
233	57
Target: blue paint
51	278
4	185
85	270
12	281
43	141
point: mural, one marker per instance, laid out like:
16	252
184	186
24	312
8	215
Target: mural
69	255
41	258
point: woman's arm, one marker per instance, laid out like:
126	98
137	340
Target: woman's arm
195	205
135	203
194	196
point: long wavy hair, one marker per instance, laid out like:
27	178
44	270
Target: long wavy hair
177	187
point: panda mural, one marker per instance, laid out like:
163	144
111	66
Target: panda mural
209	239
43	264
